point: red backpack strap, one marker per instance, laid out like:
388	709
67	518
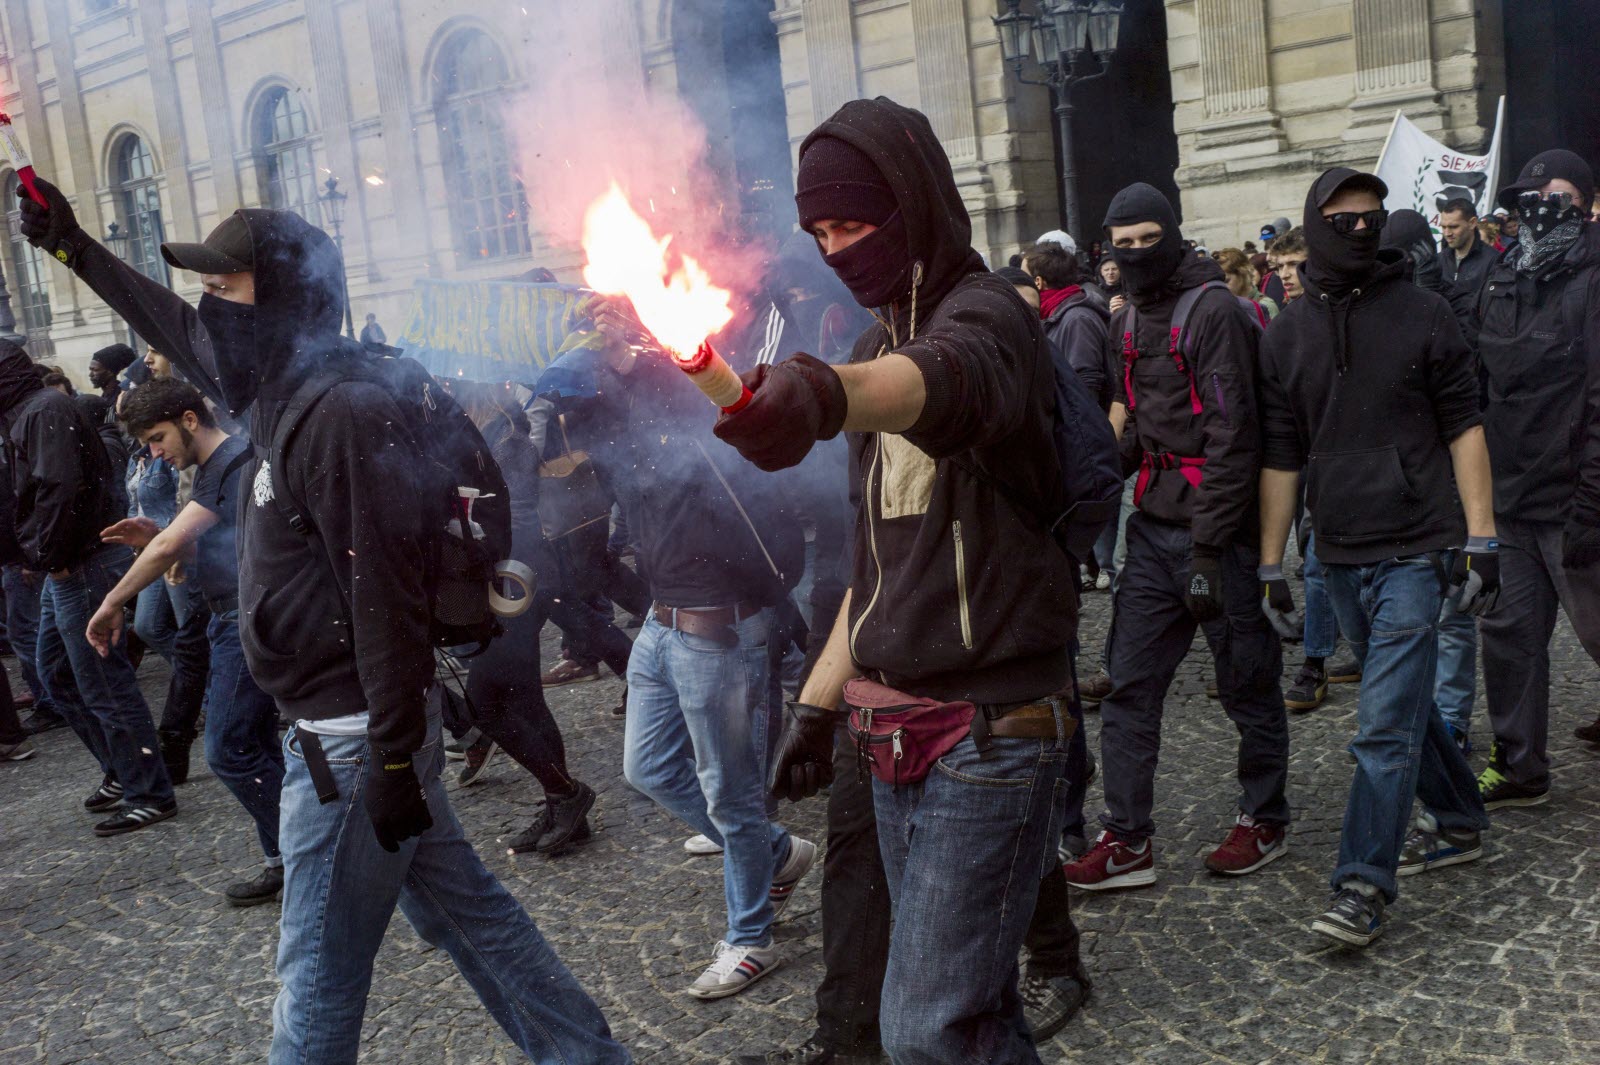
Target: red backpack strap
1130	352
1180	328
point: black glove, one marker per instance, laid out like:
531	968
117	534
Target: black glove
1277	603
55	230
394	799
1204	598
1580	544
1475	577
802	763
794	404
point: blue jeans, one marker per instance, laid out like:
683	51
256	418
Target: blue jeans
1322	630
964	851
1455	681
340	891
696	743
1389	613
103	704
154	620
242	733
23	593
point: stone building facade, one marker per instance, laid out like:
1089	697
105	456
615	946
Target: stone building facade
163	116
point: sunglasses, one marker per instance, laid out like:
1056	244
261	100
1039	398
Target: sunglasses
1532	200
1346	221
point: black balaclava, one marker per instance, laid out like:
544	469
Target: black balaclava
1409	233
1145	270
839	181
1339	262
232	329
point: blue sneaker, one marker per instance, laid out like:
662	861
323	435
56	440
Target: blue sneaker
1351	917
1434	848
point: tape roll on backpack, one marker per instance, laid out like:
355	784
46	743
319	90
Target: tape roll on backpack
519	574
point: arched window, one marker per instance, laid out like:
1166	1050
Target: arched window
488	209
283	155
30	279
138	202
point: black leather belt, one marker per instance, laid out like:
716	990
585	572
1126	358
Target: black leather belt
713	623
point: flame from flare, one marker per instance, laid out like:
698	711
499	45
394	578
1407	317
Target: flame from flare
625	258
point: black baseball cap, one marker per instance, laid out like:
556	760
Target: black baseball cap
1334	181
1545	168
228	250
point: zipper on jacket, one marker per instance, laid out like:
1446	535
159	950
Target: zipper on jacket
961	585
1216	384
872	543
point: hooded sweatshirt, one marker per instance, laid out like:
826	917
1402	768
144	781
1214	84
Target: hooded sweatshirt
1366	390
957	590
321	648
1220	349
61	478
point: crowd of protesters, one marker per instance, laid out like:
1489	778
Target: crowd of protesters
250	501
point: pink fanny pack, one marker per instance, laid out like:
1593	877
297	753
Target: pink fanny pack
899	736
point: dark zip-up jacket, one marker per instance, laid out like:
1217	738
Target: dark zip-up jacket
321	647
1367	394
1535	339
1220	348
1077	332
1464	278
60	474
957	590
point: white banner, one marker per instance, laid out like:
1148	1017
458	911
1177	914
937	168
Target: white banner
1423	174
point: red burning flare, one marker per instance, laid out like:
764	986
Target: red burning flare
19	159
680	307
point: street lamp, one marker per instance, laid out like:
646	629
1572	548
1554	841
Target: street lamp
118	242
1063	34
333	204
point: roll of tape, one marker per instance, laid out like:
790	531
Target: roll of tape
518	574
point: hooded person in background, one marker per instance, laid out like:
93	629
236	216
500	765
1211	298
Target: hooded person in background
1409	233
958	594
61	480
1189	428
334	622
106	364
1367	382
1538	339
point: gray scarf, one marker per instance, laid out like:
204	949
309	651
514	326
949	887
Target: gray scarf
1539	258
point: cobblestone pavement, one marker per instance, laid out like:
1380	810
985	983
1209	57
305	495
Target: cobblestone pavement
122	951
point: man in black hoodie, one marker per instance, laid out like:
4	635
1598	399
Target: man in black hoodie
1367	383
1538	334
1190	431
62	479
958	592
334	621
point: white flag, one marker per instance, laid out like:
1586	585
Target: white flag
1423	174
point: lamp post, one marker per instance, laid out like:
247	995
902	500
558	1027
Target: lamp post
118	242
333	204
1062	35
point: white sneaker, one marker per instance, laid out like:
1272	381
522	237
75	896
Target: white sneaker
802	856
701	846
1102	582
735	969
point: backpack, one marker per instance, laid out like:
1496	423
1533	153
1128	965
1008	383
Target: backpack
464	537
1179	329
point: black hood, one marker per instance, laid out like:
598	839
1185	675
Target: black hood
1338	262
293	329
19	378
1409	234
1147	273
1390	266
901	143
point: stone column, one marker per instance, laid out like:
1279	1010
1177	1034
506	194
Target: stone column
404	172
1394	67
1235	78
169	121
944	74
85	175
214	87
333	103
830	55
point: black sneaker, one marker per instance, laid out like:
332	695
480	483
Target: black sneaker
175	755
1351	917
1212	691
621	709
1498	790
16	752
527	841
133	818
1344	671
812	1052
565	818
263	888
479	755
1589	733
103	798
42	721
1309	689
1049	1002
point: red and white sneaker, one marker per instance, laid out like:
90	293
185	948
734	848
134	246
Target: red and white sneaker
1113	863
1248	847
